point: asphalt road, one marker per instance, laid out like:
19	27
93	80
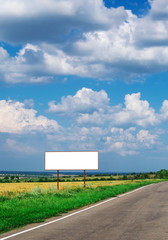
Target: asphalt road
141	215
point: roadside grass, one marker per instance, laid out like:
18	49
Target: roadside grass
39	204
12	189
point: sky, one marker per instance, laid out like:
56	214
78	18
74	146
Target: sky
82	76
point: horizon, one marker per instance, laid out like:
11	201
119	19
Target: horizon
68	173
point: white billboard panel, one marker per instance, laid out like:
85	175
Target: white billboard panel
72	160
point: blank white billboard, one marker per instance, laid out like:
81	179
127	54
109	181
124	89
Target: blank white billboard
72	160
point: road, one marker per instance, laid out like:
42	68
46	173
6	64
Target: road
140	215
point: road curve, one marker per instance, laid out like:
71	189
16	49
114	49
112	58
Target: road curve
141	215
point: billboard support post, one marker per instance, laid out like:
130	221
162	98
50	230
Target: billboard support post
71	160
84	179
57	179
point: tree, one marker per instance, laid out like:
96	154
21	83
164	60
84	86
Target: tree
163	173
125	177
6	178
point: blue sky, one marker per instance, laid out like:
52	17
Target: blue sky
84	75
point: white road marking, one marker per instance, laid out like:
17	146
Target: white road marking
124	194
69	215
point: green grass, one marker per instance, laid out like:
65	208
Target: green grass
38	205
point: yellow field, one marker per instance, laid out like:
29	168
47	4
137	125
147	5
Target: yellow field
15	188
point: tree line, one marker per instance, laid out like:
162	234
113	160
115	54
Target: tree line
162	174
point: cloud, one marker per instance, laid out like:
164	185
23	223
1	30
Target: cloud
78	138
118	129
104	127
146	138
88	107
129	141
121	141
3	54
15	118
85	107
152	30
137	112
164	110
84	39
136	47
24	21
24	67
85	100
159	9
34	64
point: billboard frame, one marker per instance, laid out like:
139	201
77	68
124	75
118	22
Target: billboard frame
68	168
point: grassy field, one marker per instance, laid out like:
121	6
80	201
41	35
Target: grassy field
21	208
11	189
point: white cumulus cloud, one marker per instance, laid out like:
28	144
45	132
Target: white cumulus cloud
85	100
137	111
94	108
103	127
15	118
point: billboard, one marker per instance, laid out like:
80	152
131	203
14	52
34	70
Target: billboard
86	160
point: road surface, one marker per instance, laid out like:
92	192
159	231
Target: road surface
140	215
